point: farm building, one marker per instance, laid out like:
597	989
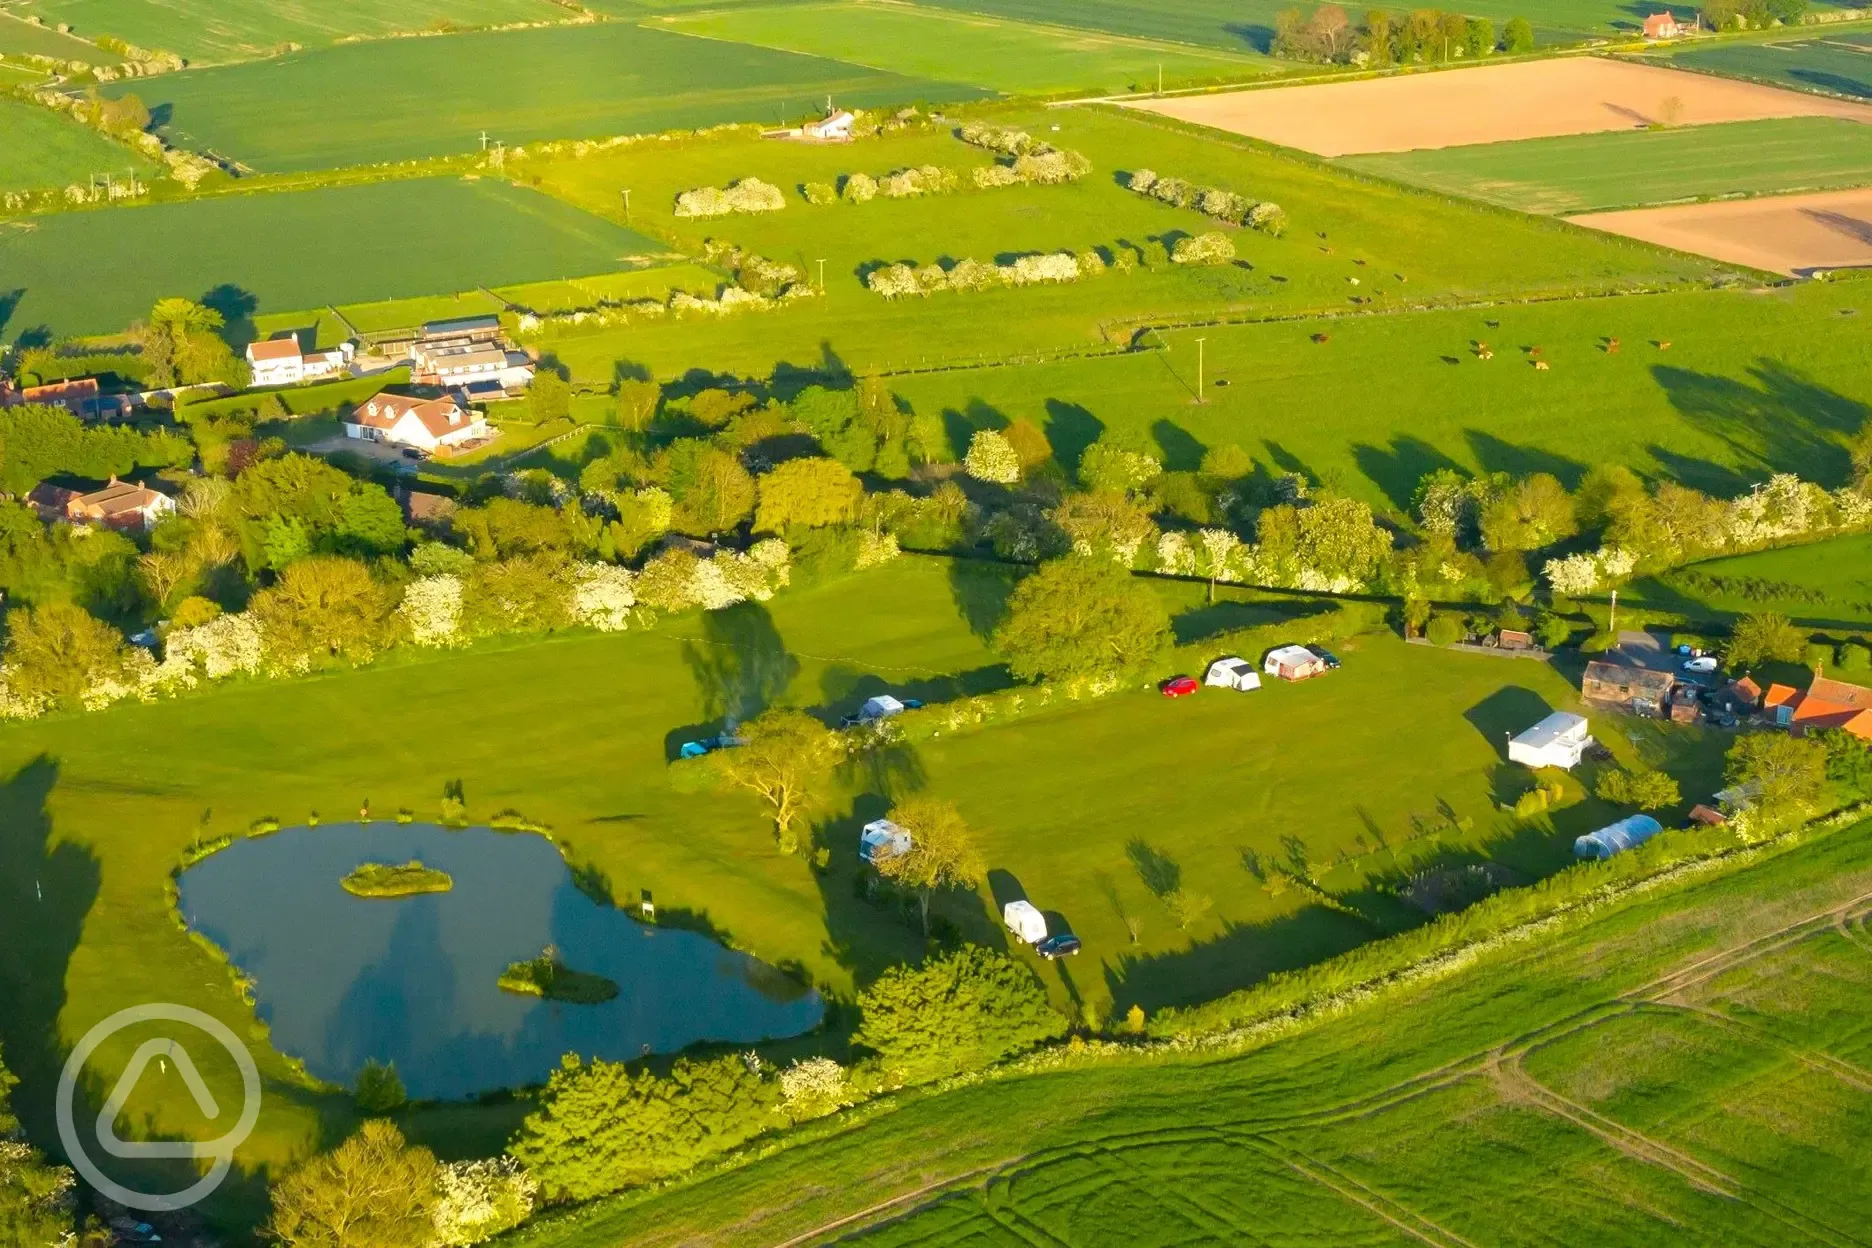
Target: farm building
1025	921
1627	833
834	127
470	364
1620	687
77	395
1292	663
1557	741
1826	703
425	424
1232	673
1663	26
882	839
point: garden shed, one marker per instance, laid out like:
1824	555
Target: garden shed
1025	921
882	839
1627	833
1292	663
1557	741
1232	673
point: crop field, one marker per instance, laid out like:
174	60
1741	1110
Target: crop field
44	149
1835	63
1690	1067
204	30
95	272
1596	172
19	36
1492	104
434	97
995	53
1355	245
1820	585
1781	234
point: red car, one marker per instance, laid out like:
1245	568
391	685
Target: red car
1178	687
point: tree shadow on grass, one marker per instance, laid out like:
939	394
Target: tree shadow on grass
741	667
1070	429
1506	712
981	590
1784	422
1397	471
1496	455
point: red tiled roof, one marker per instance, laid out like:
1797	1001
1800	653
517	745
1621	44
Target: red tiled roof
1780	695
1835	704
273	349
438	416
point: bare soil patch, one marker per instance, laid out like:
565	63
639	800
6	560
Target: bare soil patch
1782	234
1492	104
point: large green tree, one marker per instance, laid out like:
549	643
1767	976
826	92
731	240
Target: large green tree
788	758
962	1011
807	494
600	1127
1767	637
322	610
1081	617
375	1190
34	1196
1787	774
943	852
59	650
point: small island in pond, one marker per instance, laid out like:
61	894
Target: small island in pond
546	976
406	879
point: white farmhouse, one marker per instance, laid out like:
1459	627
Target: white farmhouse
428	425
834	127
281	362
1557	741
472	366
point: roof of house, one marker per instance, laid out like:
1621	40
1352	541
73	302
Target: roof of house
421	505
60	391
1835	704
118	497
1780	695
460	325
273	349
383	411
478	355
1658	21
1707	816
1747	688
1629	680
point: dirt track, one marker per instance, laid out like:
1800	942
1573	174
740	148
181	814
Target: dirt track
1781	233
1491	104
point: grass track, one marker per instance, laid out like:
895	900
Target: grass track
996	53
45	149
433	97
94	272
211	30
1626	169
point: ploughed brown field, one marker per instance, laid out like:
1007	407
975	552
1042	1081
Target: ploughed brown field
1781	233
1491	104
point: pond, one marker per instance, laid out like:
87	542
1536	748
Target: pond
342	979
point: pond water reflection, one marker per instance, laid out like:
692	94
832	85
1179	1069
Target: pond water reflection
343	979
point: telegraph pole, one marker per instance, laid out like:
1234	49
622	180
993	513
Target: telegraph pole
1201	397
627	205
822	277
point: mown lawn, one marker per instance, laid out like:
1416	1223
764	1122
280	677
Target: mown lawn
1354	245
1013	56
432	97
1413	1118
204	30
46	149
1391	763
1821	585
95	272
1627	169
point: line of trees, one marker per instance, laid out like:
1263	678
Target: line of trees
1328	34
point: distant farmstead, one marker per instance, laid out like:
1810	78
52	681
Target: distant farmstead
1826	703
1620	687
281	362
1662	26
425	424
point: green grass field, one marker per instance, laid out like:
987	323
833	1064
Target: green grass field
436	96
1003	55
1577	1088
1820	585
94	272
1354	244
203	30
45	149
1836	63
1626	169
20	36
574	732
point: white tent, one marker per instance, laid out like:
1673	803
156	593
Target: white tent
881	707
1024	921
1292	663
882	839
1557	741
1233	673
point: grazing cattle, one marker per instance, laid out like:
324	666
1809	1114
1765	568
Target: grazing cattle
1663	346
1541	365
1322	337
1612	346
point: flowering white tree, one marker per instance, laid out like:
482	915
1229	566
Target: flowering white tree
1058	266
1214	247
991	457
432	609
603	595
894	281
876	548
477	1200
814	1088
860	188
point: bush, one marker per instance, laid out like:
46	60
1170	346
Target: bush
1855	656
963	1011
819	193
1446	629
859	188
1644	788
379	1089
1212	248
743	196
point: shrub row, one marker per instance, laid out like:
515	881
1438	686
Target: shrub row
1211	201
